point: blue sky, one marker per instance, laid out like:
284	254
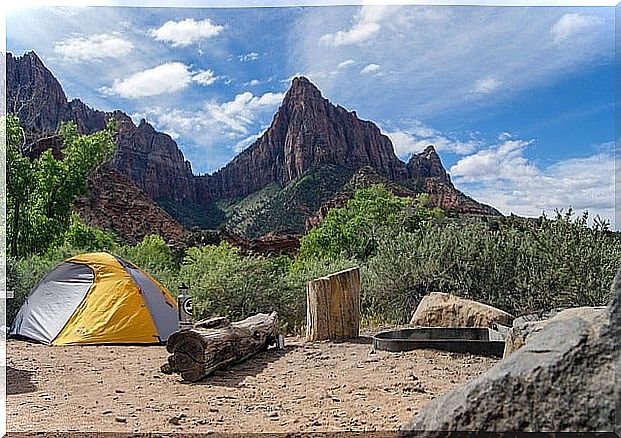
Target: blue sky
518	101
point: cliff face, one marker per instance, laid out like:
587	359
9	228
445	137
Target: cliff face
308	131
149	158
152	161
34	94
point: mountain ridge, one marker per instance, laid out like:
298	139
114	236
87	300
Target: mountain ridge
307	132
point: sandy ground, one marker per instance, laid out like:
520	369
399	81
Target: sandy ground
304	388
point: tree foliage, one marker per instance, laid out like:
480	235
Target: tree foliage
355	230
41	190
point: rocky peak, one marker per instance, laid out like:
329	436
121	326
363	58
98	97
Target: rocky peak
149	158
307	131
33	94
427	164
301	92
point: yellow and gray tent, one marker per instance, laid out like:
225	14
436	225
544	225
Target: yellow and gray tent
97	299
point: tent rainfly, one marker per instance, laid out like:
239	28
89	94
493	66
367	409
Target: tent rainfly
97	299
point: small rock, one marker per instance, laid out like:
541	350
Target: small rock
120	419
214	410
106	412
119	391
175	420
273	414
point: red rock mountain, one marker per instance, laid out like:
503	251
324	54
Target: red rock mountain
149	158
307	131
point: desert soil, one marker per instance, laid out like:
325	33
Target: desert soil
303	388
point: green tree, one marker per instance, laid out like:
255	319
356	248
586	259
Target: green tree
355	230
88	238
41	190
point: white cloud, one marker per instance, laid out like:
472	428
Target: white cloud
163	79
505	161
185	32
570	25
252	56
237	114
369	69
217	127
244	143
503	177
486	85
205	77
93	48
416	137
252	83
366	26
438	58
345	64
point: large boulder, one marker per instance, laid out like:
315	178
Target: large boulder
519	334
444	310
562	379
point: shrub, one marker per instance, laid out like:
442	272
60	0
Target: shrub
354	230
518	265
88	238
224	283
153	256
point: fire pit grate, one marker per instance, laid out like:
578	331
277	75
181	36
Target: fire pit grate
473	340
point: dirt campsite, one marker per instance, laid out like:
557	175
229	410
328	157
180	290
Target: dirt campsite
321	386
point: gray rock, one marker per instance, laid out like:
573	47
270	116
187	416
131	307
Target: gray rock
520	334
562	379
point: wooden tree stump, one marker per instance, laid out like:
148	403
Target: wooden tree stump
198	352
333	306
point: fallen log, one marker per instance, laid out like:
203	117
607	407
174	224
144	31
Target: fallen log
197	352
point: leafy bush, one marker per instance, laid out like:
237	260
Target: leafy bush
520	266
88	238
224	283
41	190
355	230
153	256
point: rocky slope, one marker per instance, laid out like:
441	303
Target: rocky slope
115	204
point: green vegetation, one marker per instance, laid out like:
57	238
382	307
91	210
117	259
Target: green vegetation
284	210
41	191
202	216
517	265
370	217
405	249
